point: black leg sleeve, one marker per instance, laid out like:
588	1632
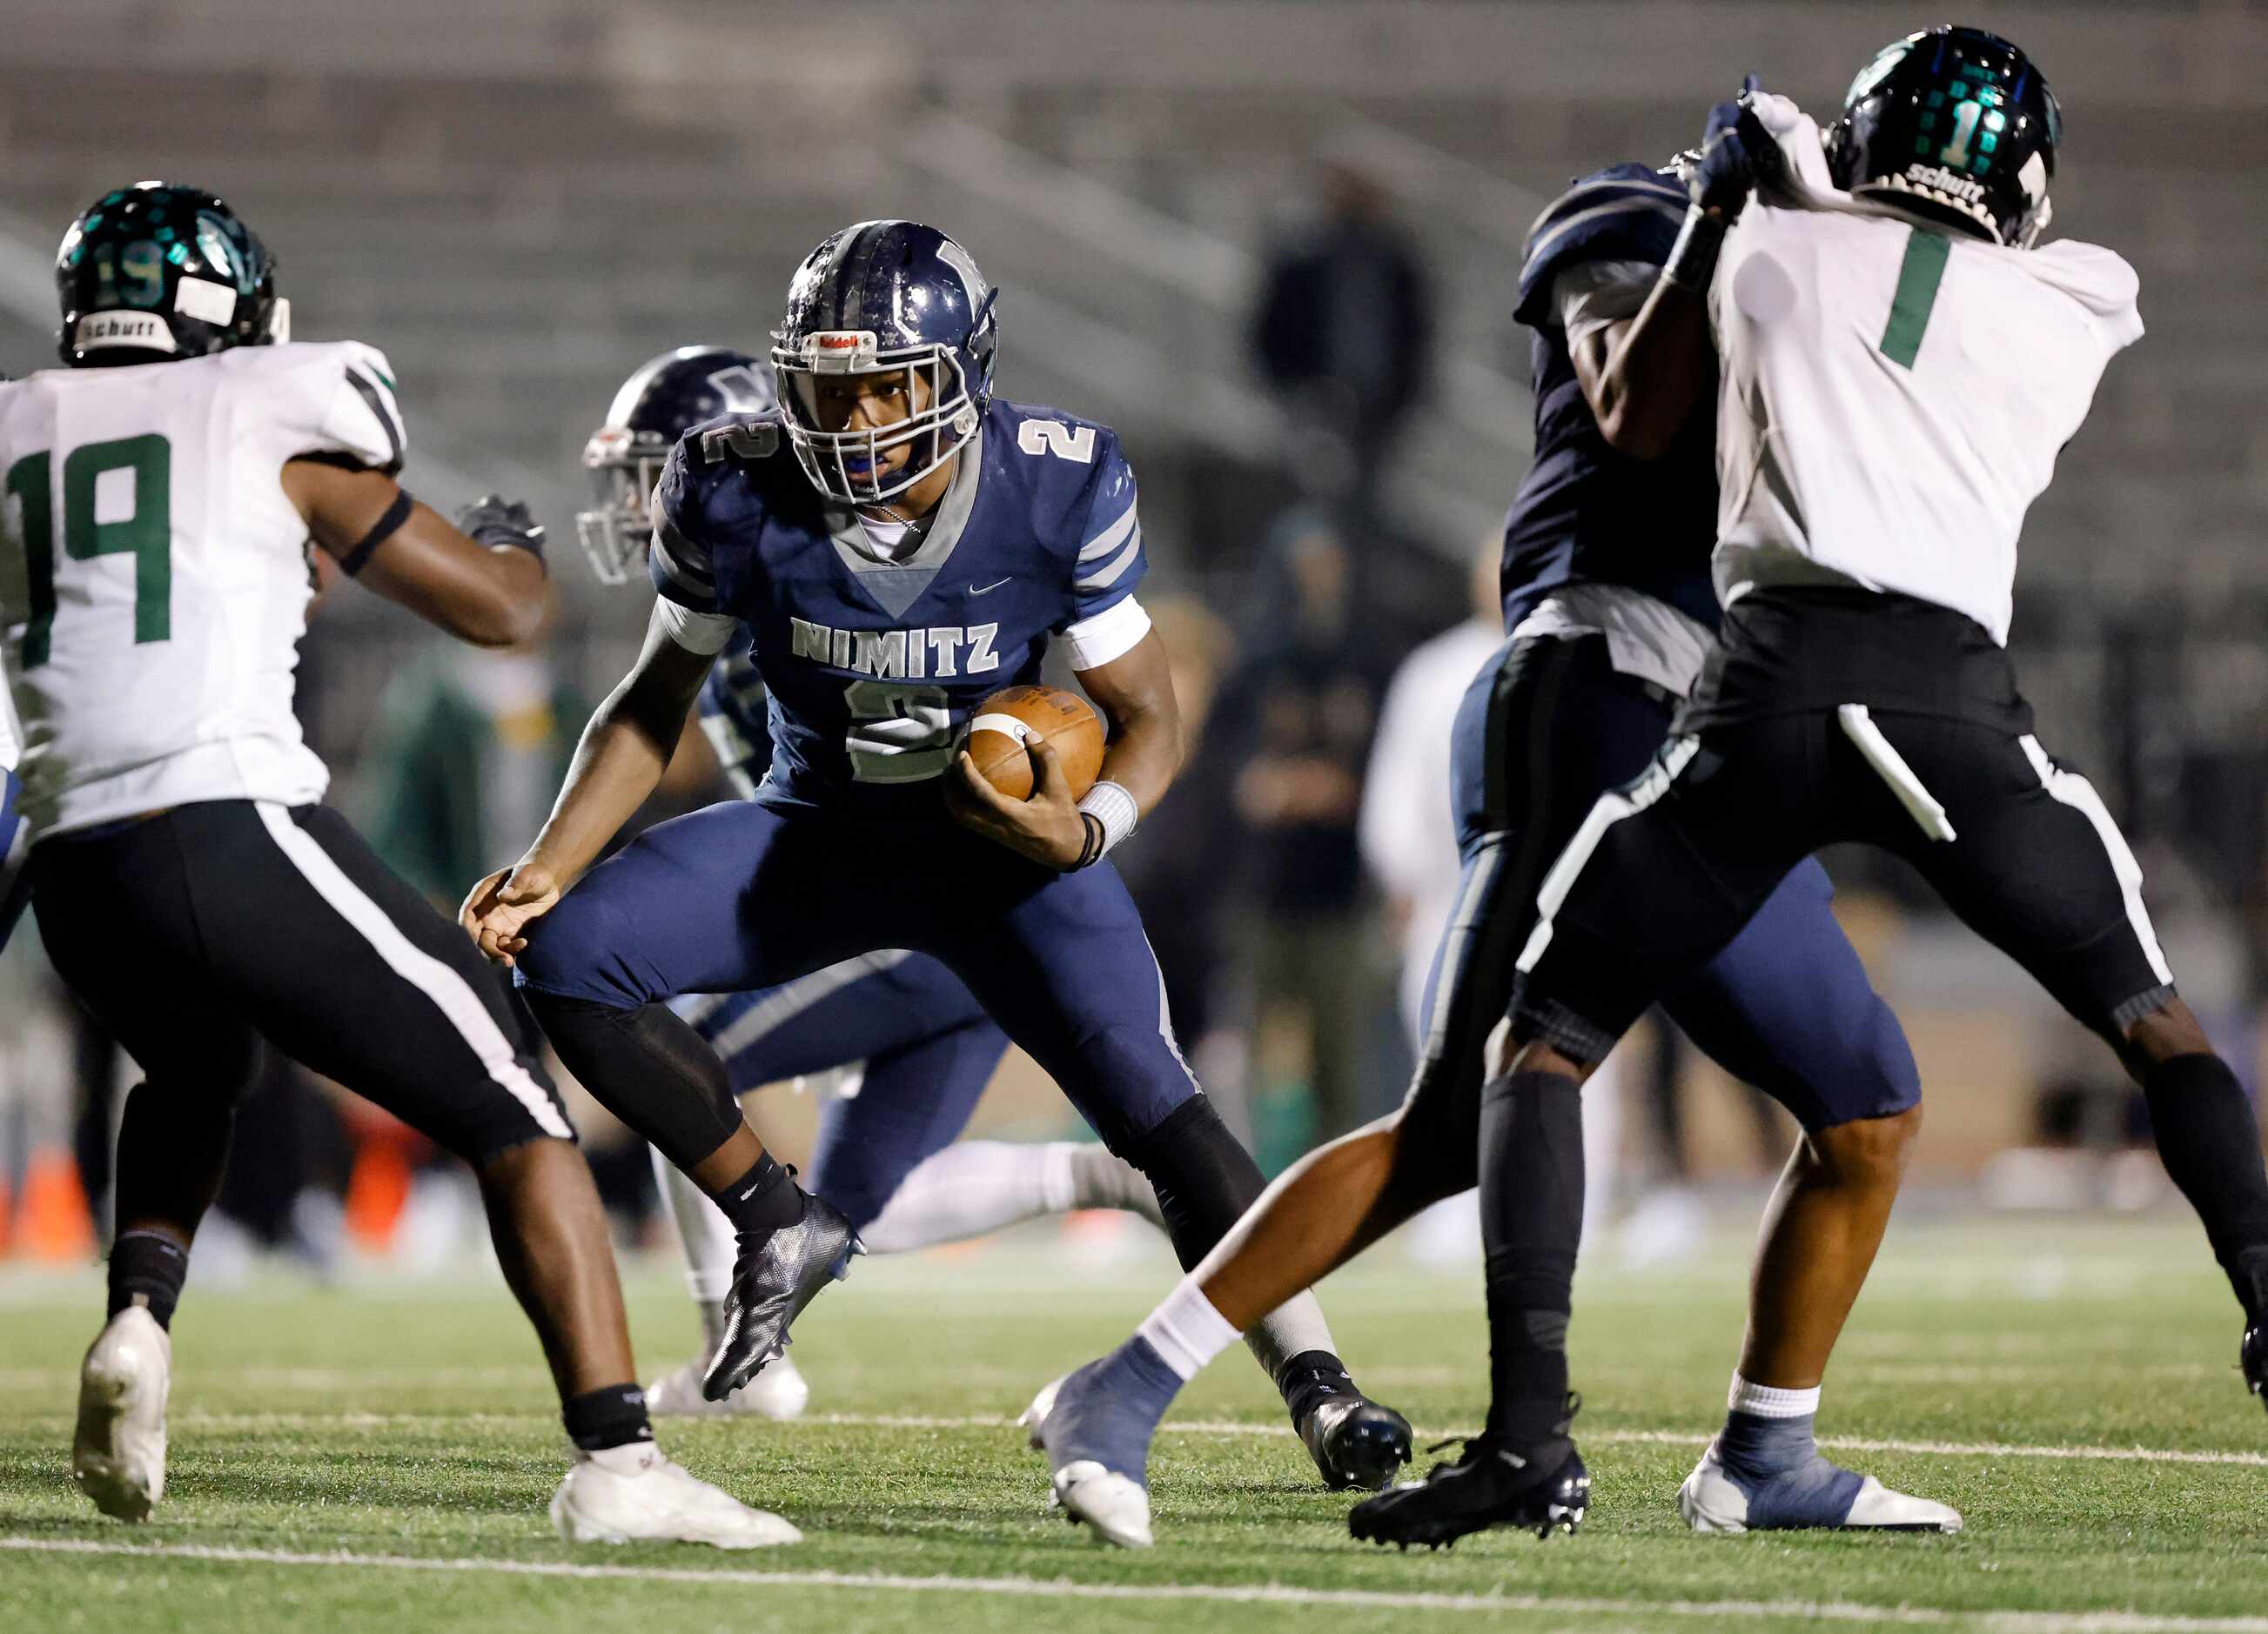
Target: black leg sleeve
1204	1178
2209	1141
647	1067
1531	1223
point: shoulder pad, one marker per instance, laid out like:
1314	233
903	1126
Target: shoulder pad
736	437
1624	212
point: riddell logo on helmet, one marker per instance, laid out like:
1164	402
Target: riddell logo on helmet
1938	179
837	342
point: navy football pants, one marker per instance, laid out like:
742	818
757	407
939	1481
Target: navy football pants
1546	727
929	1051
745	895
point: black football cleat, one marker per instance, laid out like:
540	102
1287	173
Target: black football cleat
2252	1355
772	1281
1541	1489
1357	1443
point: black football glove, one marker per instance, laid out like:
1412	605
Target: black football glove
495	520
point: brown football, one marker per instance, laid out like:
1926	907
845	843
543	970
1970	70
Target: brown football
1008	720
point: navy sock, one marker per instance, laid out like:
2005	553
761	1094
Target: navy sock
1763	1447
763	1200
1109	1410
1776	1464
615	1415
147	1268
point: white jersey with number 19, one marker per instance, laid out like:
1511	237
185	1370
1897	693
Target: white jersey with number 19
1893	396
153	574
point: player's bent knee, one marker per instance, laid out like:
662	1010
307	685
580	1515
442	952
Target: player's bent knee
2170	1029
1869	1152
579	950
1135	1083
1876	1079
514	1154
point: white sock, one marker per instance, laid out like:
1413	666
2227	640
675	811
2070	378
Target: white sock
971	1188
1763	1400
1186	1330
708	1237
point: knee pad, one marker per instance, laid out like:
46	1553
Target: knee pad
1205	1178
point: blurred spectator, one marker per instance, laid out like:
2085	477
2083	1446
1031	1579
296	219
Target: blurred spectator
1408	831
1344	334
1296	742
471	746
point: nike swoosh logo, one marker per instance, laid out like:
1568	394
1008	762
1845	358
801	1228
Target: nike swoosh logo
995	585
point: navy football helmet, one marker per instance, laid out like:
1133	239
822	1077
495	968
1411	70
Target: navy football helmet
666	398
160	270
1959	121
877	297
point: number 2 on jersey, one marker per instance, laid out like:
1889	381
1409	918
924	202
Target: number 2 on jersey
146	532
898	734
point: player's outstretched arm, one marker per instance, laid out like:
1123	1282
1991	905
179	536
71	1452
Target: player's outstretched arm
1135	692
493	592
1643	376
617	765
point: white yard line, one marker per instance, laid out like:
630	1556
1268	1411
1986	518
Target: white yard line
1264	1594
1694	1438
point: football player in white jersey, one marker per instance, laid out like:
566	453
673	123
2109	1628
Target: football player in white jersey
162	493
1900	366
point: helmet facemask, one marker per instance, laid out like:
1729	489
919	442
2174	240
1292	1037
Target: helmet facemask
848	464
624	466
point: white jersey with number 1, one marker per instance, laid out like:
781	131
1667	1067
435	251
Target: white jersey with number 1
153	575
1893	397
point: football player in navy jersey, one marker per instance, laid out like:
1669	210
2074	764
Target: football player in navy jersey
1610	612
901	1048
899	545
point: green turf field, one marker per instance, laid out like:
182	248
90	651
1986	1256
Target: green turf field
378	1457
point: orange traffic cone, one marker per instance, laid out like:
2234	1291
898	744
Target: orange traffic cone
55	1223
377	1187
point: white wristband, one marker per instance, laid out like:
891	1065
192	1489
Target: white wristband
1111	806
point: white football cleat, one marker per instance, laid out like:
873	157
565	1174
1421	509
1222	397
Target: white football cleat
633	1494
1034	1418
1710	1502
778	1392
118	1451
1115	1506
